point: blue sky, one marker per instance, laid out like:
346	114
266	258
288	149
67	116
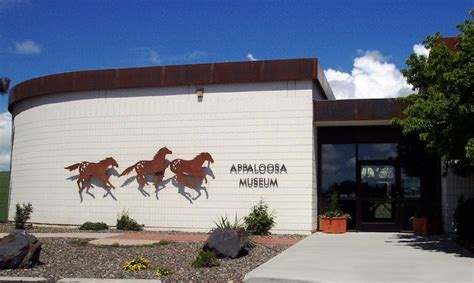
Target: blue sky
351	38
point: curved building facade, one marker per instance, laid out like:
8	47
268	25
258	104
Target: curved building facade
254	118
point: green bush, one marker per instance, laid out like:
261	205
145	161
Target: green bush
22	215
260	220
205	259
463	217
162	271
125	222
94	226
136	264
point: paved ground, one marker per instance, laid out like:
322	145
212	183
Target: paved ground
135	239
368	257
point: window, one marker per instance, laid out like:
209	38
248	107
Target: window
378	151
338	170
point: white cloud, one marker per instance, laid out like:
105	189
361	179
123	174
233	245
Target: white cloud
6	4
420	49
5	140
195	55
156	58
371	77
250	57
27	47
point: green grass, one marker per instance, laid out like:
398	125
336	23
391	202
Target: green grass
4	186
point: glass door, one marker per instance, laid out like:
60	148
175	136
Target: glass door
377	206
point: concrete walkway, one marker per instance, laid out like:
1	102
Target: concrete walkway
368	257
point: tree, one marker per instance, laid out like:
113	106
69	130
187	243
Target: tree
441	112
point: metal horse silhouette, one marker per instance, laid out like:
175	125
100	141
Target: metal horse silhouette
191	168
157	166
96	170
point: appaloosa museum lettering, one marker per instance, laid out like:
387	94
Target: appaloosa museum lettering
255	169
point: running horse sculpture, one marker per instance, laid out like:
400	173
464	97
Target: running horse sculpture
157	166
185	168
96	170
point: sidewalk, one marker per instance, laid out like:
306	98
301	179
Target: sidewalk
139	238
368	257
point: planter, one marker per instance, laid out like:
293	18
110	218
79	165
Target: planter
420	225
333	225
425	226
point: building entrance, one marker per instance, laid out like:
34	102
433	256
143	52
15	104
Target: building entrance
377	197
380	179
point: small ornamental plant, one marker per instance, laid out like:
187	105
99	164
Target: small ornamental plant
126	223
224	223
260	221
205	259
334	209
162	271
136	264
22	214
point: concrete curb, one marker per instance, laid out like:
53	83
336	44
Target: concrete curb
84	235
11	279
93	280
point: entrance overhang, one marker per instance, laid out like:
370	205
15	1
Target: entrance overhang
357	112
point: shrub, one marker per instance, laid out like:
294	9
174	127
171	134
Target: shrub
224	223
22	215
163	242
250	244
463	217
136	264
94	226
162	271
79	242
125	222
260	220
205	259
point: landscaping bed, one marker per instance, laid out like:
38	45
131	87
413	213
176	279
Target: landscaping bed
37	228
72	258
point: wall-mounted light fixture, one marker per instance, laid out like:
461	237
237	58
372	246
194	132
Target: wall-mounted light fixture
200	94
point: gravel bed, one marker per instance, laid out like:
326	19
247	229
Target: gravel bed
65	258
9	227
37	228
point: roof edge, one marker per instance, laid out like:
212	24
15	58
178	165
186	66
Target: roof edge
173	75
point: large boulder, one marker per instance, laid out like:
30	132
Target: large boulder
19	250
225	243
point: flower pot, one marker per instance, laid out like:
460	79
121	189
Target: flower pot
434	225
333	225
420	225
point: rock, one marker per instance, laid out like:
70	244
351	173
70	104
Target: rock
226	243
19	250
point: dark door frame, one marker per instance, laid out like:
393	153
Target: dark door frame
395	197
